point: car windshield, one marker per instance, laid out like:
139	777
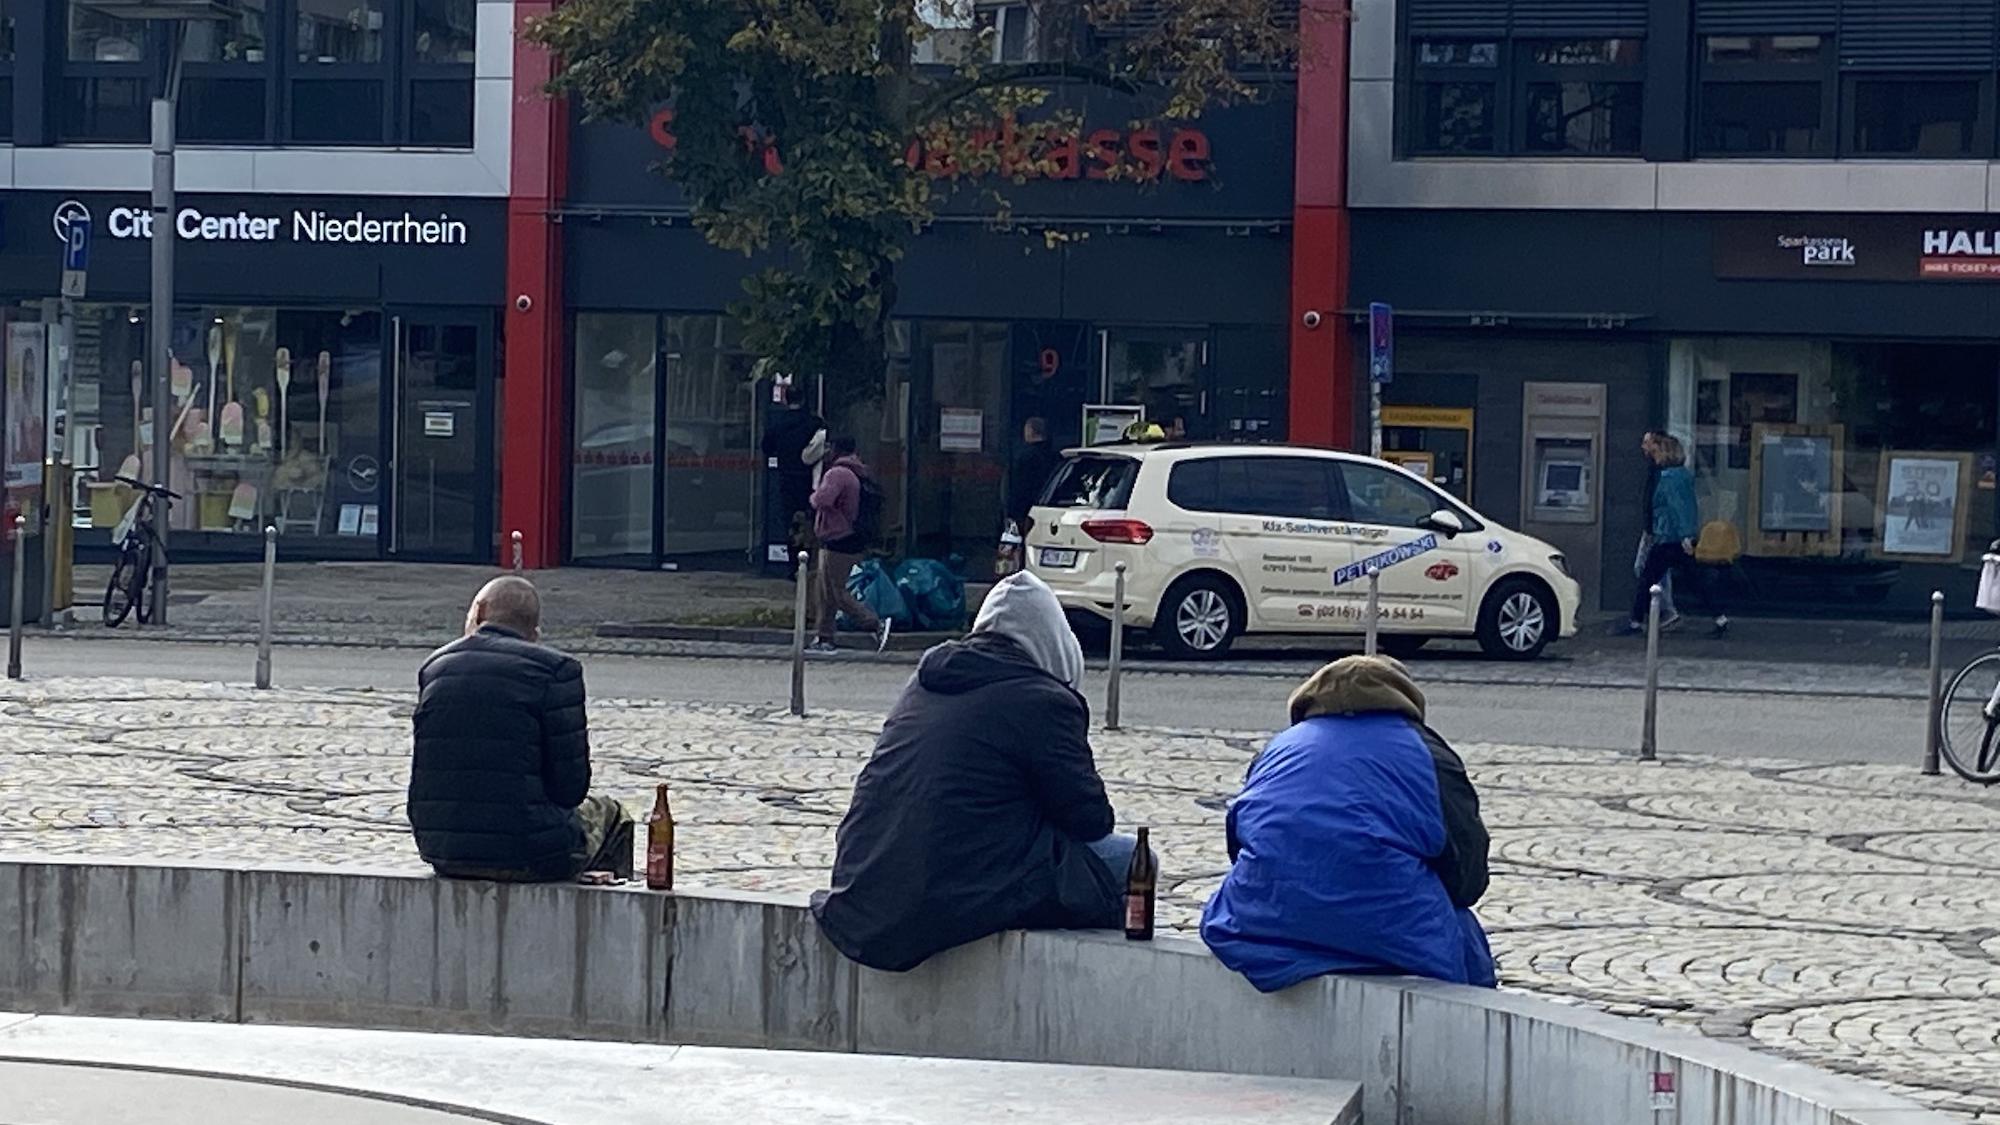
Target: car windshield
1089	480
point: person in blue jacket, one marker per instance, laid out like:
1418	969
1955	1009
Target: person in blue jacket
1356	844
1676	526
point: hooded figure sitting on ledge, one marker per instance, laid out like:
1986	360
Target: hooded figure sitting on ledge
1356	843
981	809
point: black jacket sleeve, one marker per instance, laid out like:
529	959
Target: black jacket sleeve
1064	775
1462	864
565	737
1022	486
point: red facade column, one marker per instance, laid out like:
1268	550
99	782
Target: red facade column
1322	352
534	406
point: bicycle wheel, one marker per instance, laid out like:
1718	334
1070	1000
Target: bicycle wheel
1968	742
127	589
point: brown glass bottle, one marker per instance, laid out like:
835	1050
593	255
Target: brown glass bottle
1140	881
660	844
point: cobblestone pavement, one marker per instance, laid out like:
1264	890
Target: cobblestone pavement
1848	916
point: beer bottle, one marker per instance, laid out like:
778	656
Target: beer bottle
660	844
1140	880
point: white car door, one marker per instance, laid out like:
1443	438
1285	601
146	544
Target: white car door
1281	537
1426	579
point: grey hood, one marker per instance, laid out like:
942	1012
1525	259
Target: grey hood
1022	608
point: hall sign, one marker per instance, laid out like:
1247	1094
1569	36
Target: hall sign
1022	150
194	224
1858	248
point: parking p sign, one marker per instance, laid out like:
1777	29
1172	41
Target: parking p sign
76	256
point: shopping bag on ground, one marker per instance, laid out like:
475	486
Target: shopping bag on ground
935	595
872	587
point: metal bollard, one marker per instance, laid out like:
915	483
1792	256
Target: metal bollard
799	639
264	608
1117	647
1649	734
20	580
517	553
1934	722
1368	643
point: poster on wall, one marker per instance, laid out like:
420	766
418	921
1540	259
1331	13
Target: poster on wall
26	345
961	430
1921	505
1795	491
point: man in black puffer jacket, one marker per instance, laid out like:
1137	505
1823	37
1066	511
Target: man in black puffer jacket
499	788
981	809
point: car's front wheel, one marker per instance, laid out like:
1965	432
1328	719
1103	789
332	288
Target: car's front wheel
1517	621
1199	618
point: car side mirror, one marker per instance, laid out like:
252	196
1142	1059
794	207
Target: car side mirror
1445	522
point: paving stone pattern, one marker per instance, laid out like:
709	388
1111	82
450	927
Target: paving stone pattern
1848	916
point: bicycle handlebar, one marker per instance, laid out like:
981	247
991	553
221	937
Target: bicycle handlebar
155	489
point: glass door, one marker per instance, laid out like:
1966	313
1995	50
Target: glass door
441	460
1164	370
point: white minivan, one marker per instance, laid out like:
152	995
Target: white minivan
1222	540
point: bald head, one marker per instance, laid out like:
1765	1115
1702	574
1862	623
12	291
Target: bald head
510	602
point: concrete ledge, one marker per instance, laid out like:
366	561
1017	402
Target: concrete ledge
356	948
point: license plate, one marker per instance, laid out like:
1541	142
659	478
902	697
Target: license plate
1058	557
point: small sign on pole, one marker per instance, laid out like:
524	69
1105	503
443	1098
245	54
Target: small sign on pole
76	258
1381	343
1381	367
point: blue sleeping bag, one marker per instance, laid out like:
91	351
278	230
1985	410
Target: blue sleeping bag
1335	823
873	587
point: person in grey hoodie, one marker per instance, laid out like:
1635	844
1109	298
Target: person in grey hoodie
981	808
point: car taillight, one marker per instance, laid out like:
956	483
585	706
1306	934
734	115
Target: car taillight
1119	531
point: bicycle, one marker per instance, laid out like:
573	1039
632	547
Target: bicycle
138	550
1969	713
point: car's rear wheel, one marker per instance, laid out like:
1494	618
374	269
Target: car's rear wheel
1517	621
1199	618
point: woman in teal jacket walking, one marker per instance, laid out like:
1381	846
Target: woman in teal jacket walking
1676	524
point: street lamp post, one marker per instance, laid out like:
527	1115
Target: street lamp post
160	322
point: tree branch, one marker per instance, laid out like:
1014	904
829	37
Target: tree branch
989	78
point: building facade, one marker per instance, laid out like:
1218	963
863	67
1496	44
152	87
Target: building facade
1764	226
1164	290
343	179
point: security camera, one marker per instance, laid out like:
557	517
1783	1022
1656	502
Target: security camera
524	302
1311	319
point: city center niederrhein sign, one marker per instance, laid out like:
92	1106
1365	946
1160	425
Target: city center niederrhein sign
299	224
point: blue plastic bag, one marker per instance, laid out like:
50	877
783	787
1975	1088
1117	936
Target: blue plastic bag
935	595
872	587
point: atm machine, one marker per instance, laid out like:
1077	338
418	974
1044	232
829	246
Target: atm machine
1562	471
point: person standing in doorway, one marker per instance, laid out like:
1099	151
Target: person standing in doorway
1032	467
842	523
789	438
1675	525
1653	448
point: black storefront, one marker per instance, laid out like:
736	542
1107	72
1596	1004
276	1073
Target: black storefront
334	368
1167	291
1833	379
